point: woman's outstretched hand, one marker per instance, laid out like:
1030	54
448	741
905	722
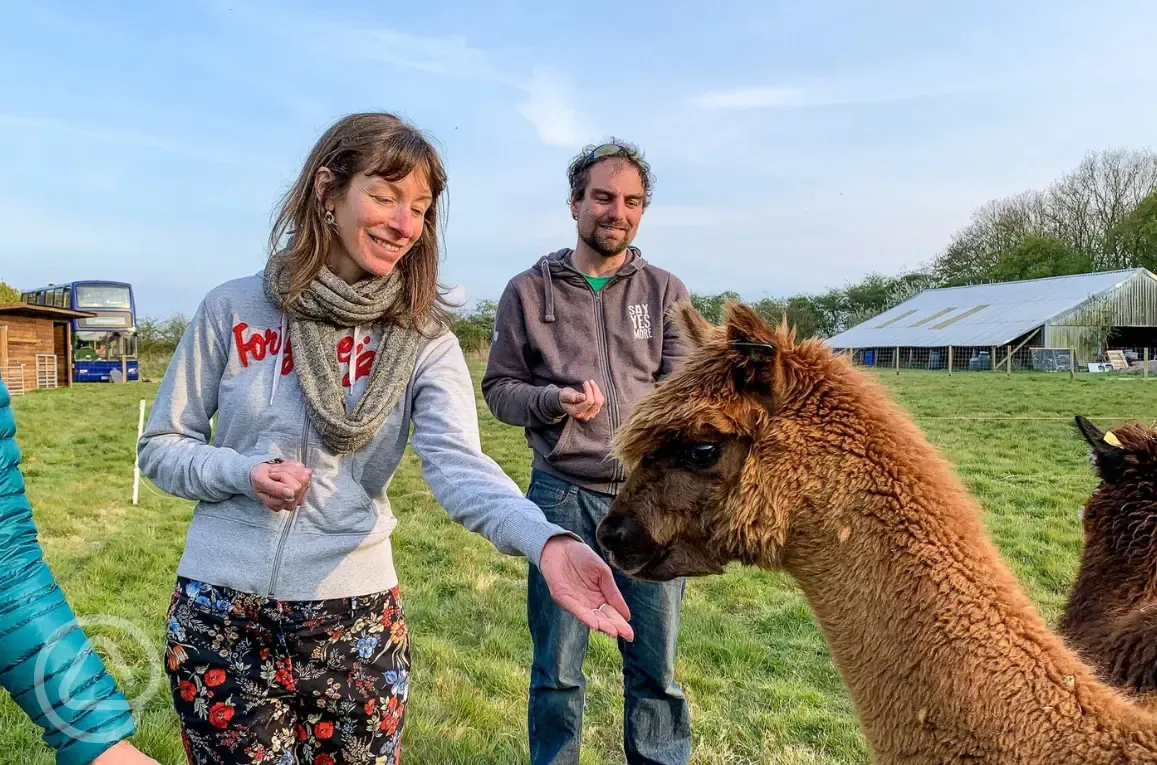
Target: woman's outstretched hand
582	583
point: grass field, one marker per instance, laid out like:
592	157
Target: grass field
761	684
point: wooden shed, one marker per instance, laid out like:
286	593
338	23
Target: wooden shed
36	345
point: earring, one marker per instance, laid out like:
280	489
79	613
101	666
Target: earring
329	217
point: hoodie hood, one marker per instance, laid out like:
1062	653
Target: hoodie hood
558	263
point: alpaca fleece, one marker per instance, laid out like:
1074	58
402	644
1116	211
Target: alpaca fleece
779	454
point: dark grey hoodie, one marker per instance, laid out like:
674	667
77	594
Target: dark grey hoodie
554	331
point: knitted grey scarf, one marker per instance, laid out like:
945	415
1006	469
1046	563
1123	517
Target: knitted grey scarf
328	305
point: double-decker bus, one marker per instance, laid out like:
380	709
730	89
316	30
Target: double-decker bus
100	343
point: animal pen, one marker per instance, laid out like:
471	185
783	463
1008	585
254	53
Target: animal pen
1089	323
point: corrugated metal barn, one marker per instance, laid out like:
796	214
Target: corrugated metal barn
1086	313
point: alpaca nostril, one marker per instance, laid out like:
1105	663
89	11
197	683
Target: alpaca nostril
616	531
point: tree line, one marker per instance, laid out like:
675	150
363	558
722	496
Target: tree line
1100	216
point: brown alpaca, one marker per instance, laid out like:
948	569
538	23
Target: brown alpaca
1111	614
781	455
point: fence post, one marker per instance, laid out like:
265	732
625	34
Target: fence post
992	357
1009	360
950	359
1145	372
136	455
124	370
1072	363
897	359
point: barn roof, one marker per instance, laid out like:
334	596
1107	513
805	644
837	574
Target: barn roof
981	314
28	310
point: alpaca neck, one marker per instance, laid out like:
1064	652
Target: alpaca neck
1109	583
942	652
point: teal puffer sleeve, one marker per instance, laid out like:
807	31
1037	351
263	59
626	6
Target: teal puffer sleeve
46	662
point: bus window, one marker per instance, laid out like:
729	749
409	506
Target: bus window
58	297
121	345
88	345
102	296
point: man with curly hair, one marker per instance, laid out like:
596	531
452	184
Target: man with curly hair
579	338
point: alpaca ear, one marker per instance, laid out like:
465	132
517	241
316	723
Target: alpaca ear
750	341
692	327
744	323
1090	431
1108	453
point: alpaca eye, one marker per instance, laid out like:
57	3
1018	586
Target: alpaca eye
700	456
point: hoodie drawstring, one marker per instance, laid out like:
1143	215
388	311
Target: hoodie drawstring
548	291
280	355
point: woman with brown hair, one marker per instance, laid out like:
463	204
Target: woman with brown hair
286	636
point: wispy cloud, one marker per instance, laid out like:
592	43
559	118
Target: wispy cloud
549	107
931	77
824	94
751	98
451	56
547	98
131	138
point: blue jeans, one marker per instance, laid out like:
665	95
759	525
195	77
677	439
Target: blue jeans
656	717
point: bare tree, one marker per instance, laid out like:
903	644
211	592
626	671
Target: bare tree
1082	209
1093	199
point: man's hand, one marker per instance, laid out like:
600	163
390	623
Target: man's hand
584	404
123	753
582	584
281	485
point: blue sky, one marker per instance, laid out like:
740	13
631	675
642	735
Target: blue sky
796	148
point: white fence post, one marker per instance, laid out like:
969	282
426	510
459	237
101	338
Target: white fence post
136	454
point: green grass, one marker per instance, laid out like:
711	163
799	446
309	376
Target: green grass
755	667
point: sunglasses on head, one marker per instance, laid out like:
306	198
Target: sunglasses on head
609	150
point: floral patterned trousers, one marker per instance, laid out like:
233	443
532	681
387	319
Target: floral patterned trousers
256	680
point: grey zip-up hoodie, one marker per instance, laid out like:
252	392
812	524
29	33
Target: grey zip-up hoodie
552	331
231	362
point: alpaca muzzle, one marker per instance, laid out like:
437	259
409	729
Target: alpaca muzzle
628	543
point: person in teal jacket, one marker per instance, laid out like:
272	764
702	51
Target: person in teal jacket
46	662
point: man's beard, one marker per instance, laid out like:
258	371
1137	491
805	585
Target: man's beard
604	243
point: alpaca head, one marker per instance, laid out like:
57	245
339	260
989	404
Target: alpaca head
1122	512
717	454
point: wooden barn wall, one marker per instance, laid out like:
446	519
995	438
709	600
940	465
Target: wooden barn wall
1084	341
26	338
1132	304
